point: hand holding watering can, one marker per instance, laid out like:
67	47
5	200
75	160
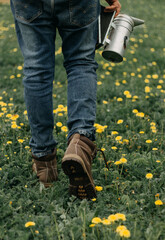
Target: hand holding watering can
114	32
115	6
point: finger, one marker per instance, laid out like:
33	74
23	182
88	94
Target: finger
117	13
110	8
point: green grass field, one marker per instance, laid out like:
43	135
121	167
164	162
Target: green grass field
130	130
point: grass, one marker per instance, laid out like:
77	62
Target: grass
133	92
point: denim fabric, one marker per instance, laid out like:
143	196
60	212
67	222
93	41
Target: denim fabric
36	23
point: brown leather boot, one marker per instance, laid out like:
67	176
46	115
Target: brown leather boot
46	168
77	163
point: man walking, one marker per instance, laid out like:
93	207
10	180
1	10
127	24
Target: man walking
36	23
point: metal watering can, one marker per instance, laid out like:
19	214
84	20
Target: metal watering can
118	31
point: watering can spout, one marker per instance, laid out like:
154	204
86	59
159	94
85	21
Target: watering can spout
137	21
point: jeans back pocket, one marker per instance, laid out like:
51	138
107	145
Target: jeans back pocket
83	12
27	10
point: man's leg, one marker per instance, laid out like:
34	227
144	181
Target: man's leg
79	36
36	36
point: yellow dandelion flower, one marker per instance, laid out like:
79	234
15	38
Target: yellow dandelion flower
107	73
120	228
99	83
141	132
123	160
105	102
132	39
134	59
106	222
29	224
99	188
124	81
140	114
135	111
148	141
154	149
146	80
55	111
105	65
124	73
21	140
19	67
154	63
159	86
96	220
93	199
15	50
14	125
147	89
99	130
120	216
27	147
8	115
4	109
112	218
3	104
12	76
125	233
114	132
59	124
117	83
64	129
10	104
113	147
158	202
92	225
117	163
118	138
135	97
161	81
103	149
14	117
152	49
155	76
126	92
149	175
119	121
9	142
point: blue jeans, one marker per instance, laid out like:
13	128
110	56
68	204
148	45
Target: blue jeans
36	22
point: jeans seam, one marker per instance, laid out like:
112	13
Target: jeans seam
52	7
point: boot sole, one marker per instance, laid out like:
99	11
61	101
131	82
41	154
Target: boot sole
81	183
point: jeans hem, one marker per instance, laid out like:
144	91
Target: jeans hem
90	135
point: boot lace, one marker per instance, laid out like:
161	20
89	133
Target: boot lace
105	160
